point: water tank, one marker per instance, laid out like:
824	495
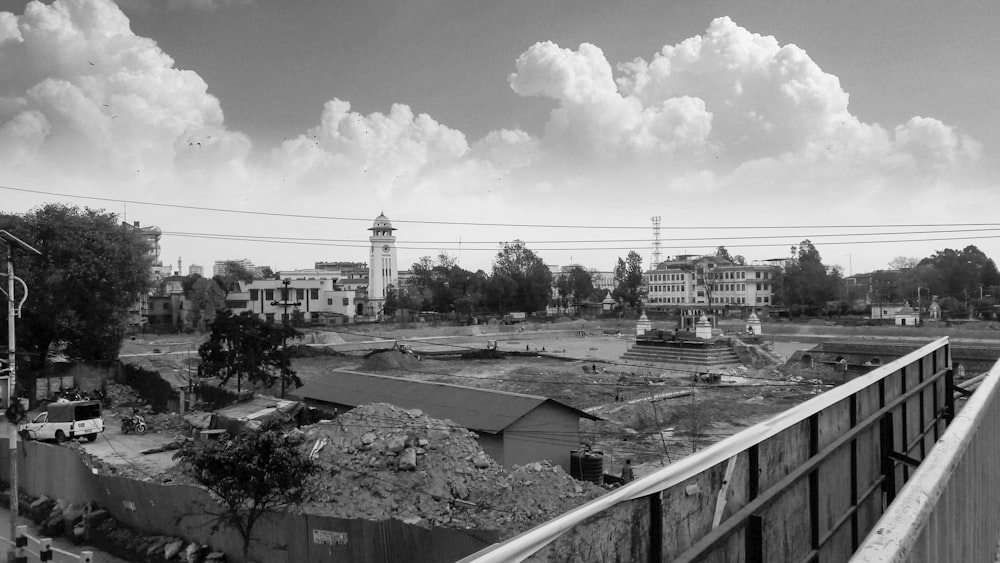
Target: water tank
587	465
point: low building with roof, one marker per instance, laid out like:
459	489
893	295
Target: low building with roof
513	428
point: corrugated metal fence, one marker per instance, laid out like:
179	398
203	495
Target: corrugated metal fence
806	485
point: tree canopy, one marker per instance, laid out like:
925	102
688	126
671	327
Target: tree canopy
245	347
91	273
443	287
629	280
521	281
574	286
807	283
250	474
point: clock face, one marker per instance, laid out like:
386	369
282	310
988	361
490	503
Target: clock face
385	248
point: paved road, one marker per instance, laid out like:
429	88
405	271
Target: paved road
57	543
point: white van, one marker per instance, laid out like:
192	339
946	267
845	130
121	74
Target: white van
65	420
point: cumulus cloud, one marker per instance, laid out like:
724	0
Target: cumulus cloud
83	95
727	102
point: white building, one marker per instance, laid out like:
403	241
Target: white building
309	300
710	283
383	269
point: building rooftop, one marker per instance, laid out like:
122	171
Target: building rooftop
481	410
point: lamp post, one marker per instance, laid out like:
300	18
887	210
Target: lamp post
285	303
12	242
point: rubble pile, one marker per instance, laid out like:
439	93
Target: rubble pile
390	360
380	461
117	394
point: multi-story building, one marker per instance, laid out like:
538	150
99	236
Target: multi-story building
219	269
310	300
710	283
196	269
139	312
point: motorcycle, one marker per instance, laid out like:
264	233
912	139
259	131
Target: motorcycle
133	423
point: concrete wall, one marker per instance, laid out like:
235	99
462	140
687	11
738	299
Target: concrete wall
547	432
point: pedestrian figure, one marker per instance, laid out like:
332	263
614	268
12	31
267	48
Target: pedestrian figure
627	475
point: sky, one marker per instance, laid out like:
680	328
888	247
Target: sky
278	131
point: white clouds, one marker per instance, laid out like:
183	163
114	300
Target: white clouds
728	118
85	96
726	110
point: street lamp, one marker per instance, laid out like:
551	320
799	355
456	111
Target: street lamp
284	329
12	242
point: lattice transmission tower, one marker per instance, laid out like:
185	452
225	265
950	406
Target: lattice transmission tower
656	242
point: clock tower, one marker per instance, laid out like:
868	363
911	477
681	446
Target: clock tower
383	271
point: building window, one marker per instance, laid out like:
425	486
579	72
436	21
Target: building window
347	301
314	316
765	299
329	301
269	317
758	299
314	293
758	287
269	295
300	294
758	275
254	294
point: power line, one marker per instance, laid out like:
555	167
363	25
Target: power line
478	223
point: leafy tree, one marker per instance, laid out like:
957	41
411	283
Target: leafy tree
629	280
902	263
248	348
391	304
92	271
574	286
250	474
723	252
233	273
205	298
526	280
806	284
445	287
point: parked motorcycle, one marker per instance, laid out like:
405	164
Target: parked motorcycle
134	423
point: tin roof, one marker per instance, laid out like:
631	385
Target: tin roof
481	410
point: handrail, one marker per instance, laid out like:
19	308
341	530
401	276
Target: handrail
900	526
527	543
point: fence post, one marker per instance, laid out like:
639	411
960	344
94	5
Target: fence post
45	549
20	543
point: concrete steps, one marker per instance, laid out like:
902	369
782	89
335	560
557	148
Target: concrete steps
682	356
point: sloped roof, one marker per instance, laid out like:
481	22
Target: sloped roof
481	410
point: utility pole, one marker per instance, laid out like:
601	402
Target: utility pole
284	329
11	241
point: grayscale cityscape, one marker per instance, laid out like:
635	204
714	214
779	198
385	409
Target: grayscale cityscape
491	282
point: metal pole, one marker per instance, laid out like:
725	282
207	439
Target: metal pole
11	386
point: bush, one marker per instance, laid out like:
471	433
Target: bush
153	390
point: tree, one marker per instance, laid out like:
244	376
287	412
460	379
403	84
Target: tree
722	252
629	280
574	286
233	273
806	283
902	263
445	287
252	473
248	348
391	304
526	280
205	298
91	273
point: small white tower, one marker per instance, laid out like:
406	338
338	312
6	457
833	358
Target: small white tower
383	271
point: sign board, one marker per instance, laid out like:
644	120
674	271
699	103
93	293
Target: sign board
329	537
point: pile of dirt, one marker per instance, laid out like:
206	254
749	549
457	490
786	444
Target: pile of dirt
322	337
117	395
389	360
379	461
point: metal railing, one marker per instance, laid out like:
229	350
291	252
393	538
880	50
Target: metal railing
806	485
29	548
949	510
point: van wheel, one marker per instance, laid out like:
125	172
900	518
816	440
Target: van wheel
60	437
91	437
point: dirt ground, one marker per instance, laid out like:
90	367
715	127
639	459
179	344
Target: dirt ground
577	363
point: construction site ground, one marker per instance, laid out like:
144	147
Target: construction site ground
651	415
